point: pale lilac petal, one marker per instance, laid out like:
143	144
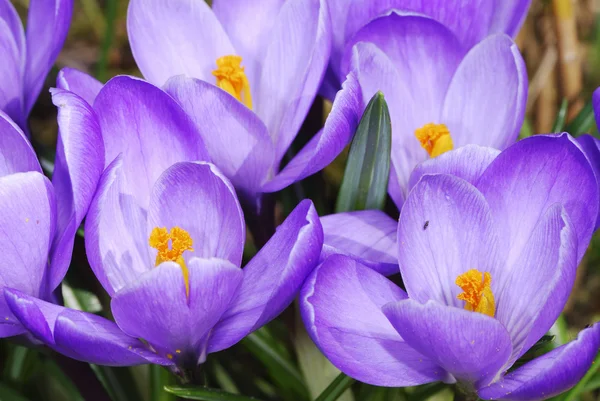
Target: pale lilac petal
294	63
445	229
273	277
83	85
509	16
171	38
249	35
149	128
116	238
530	176
467	162
16	153
324	147
485	103
236	139
341	308
199	199
157	309
11	90
27	224
550	374
78	165
549	259
591	147
79	335
468	345
369	236
47	26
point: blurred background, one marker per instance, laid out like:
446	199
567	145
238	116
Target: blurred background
560	41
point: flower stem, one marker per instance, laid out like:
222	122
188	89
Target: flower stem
464	393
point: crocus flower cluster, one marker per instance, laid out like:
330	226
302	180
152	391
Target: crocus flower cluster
488	256
164	236
28	57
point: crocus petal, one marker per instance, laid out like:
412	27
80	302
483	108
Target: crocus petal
116	238
529	307
248	24
149	128
341	308
531	175
273	277
294	63
78	166
445	229
186	34
199	199
27	220
236	139
469	345
11	91
493	73
329	142
509	16
467	162
79	335
550	374
157	309
369	236
47	26
596	105
9	15
83	85
591	148
16	155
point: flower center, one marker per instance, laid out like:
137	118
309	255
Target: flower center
477	293
171	245
435	138
232	79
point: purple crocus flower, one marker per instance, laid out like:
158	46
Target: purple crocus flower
27	58
470	21
488	257
247	72
440	94
164	236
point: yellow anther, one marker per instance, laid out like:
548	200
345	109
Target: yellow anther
477	293
435	138
179	241
232	79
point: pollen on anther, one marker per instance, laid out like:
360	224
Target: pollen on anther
434	138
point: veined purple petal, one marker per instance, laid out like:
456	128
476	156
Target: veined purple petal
236	139
329	142
83	85
530	176
157	309
11	90
445	229
550	374
468	345
533	292
596	105
494	76
47	26
27	223
467	162
78	166
16	153
116	237
199	199
341	308
509	16
273	277
186	34
79	335
369	236
249	25
150	130
293	66
9	15
591	148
